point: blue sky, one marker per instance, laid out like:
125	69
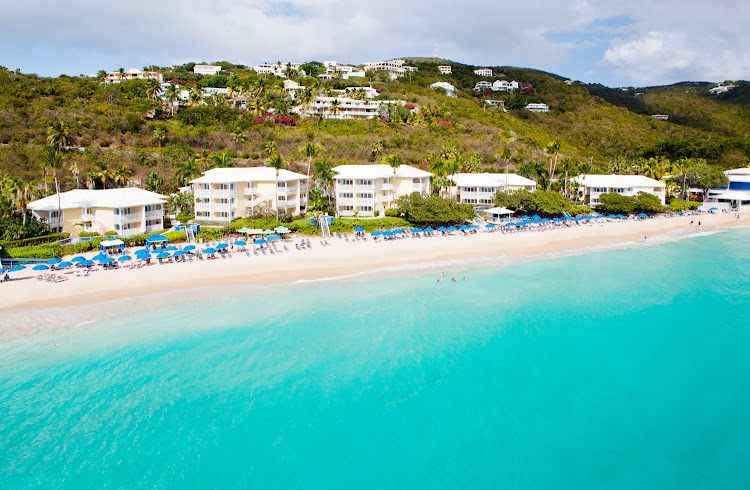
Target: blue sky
615	43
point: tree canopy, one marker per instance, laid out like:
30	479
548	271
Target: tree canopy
433	210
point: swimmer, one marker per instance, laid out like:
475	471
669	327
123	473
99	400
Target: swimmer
453	279
443	274
53	345
464	278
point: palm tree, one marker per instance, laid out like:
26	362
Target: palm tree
276	161
121	74
76	173
187	171
153	182
122	175
334	109
196	96
324	176
203	159
310	151
172	94
258	108
269	147
376	149
221	160
535	171
153	88
305	98
58	134
238	136
552	149
394	161
53	159
103	174
21	189
160	136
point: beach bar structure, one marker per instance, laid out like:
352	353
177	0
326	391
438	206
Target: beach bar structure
495	214
112	246
127	211
363	190
735	195
594	186
223	194
480	189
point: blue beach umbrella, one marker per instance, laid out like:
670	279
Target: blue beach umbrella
86	262
463	227
163	255
536	216
428	229
179	253
259	241
222	246
474	227
17	268
387	233
268	232
53	261
442	228
3	271
75	260
398	231
359	228
240	243
620	216
642	215
209	250
376	233
190	247
106	260
171	248
64	265
124	258
490	225
510	223
98	257
451	228
40	267
273	238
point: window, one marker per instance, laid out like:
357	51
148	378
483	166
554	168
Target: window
117	227
54	214
385	181
470	189
281	184
365	208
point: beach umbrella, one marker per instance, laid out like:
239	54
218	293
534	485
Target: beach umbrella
190	247
283	229
163	255
179	253
64	265
642	215
222	246
17	268
441	228
268	232
428	230
240	243
40	267
86	262
416	230
171	248
463	227
474	227
98	257
510	223
106	260
387	233
156	238
620	216
140	254
77	259
398	231
358	229
259	241
244	229
124	258
273	238
376	233
490	225
209	250
3	271
53	261
536	216
451	228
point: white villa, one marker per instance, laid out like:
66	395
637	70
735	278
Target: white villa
223	194
277	69
445	69
450	90
504	86
483	72
737	193
347	108
363	190
483	86
626	185
395	68
132	74
206	69
291	87
480	189
127	211
537	107
369	92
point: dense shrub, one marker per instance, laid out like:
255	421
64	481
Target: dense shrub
35	240
50	251
543	203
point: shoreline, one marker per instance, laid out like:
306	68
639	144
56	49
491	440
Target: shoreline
338	261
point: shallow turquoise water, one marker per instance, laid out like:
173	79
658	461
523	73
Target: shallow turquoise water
620	369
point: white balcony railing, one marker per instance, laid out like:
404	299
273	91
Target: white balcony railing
224	192
202	206
355	188
249	191
150	228
87	217
121	218
157	213
54	221
130	232
387	187
224	206
201	192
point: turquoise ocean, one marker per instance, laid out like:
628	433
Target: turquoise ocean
617	369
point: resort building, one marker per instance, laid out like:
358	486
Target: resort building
206	69
483	72
480	189
291	87
223	194
369	92
720	89
504	86
483	86
132	74
277	69
450	90
627	185
367	190
344	108
537	107
737	193
395	68
127	211
445	69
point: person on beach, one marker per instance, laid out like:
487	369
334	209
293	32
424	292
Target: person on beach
453	279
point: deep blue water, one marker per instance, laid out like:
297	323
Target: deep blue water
620	369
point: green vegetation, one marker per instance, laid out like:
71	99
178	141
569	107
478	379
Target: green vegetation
640	203
433	210
546	204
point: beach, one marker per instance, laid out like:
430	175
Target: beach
341	259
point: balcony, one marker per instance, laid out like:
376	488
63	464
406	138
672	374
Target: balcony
122	218
54	221
150	228
202	206
201	192
224	206
249	191
157	213
224	192
302	187
130	232
387	187
87	217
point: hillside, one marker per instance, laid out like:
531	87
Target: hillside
122	125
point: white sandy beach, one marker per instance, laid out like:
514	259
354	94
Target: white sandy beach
341	258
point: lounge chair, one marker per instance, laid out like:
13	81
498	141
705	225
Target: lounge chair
285	249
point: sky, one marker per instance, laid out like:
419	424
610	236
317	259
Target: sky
634	43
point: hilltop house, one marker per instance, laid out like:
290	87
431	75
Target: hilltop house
445	69
450	90
483	72
345	108
132	74
395	68
483	86
364	190
206	69
537	107
127	211
504	86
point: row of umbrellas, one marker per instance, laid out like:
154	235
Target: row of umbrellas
282	230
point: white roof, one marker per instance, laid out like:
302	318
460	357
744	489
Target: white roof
247	174
447	86
734	195
738	171
103	198
497	211
491	180
587	180
378	171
